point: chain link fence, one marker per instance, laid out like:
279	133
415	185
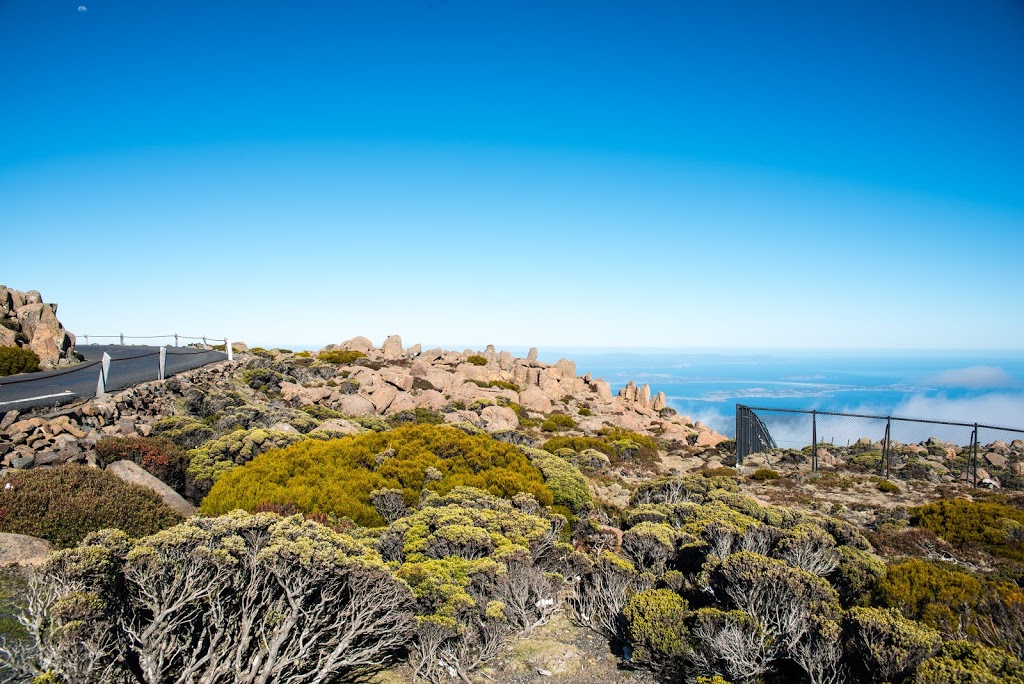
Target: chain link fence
913	448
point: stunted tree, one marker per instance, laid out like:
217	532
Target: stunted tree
781	598
240	599
730	643
886	644
600	593
389	503
809	548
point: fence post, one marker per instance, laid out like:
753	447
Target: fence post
204	341
741	437
814	441
86	338
101	384
227	347
176	340
974	455
122	339
885	445
162	375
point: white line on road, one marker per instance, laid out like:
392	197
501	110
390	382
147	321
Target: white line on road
45	396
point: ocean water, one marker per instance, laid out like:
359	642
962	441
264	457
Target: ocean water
971	387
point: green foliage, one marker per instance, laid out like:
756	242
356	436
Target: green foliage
568	486
340	357
63	504
856	576
557	422
655	625
186	432
321	412
265	379
723	471
500	384
337	477
477	360
584	411
966	662
955	603
17	360
764	474
887	487
962	522
870	461
886	644
159	456
579	444
208	462
417	416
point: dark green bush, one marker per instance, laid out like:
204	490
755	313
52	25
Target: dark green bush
340	356
963	522
887	487
186	432
63	504
321	412
17	360
159	456
584	411
764	474
477	360
263	379
500	384
557	422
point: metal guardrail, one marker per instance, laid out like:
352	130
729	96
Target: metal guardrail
764	429
177	338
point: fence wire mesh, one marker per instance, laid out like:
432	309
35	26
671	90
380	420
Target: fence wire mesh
910	448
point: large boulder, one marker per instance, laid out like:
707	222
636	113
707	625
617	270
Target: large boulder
132	473
355	405
498	418
359	344
392	348
21	549
533	399
29	322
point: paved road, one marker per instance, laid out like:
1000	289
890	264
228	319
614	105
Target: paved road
128	366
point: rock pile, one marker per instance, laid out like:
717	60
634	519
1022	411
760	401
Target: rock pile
26	321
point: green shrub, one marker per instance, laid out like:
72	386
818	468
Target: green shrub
969	663
218	456
557	422
870	461
962	522
321	412
579	444
186	432
417	416
17	360
500	384
764	474
568	486
723	471
885	644
477	360
655	625
159	456
64	504
887	487
584	411
264	379
337	477
340	357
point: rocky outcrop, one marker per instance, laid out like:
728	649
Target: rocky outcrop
21	549
26	321
132	473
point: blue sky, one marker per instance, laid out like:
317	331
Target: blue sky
599	174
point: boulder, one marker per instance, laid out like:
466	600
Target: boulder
603	390
337	425
659	401
431	399
414	350
643	395
402	402
498	418
402	381
566	368
532	355
359	344
709	438
282	426
533	399
382	397
356	405
996	459
133	473
21	549
392	348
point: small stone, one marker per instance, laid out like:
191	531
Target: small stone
544	673
22	462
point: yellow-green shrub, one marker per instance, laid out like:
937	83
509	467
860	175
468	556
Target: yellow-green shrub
655	625
337	476
340	356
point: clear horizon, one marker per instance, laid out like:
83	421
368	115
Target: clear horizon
659	176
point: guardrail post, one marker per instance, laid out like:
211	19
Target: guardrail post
227	346
122	339
101	384
162	375
176	340
204	341
814	441
86	338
